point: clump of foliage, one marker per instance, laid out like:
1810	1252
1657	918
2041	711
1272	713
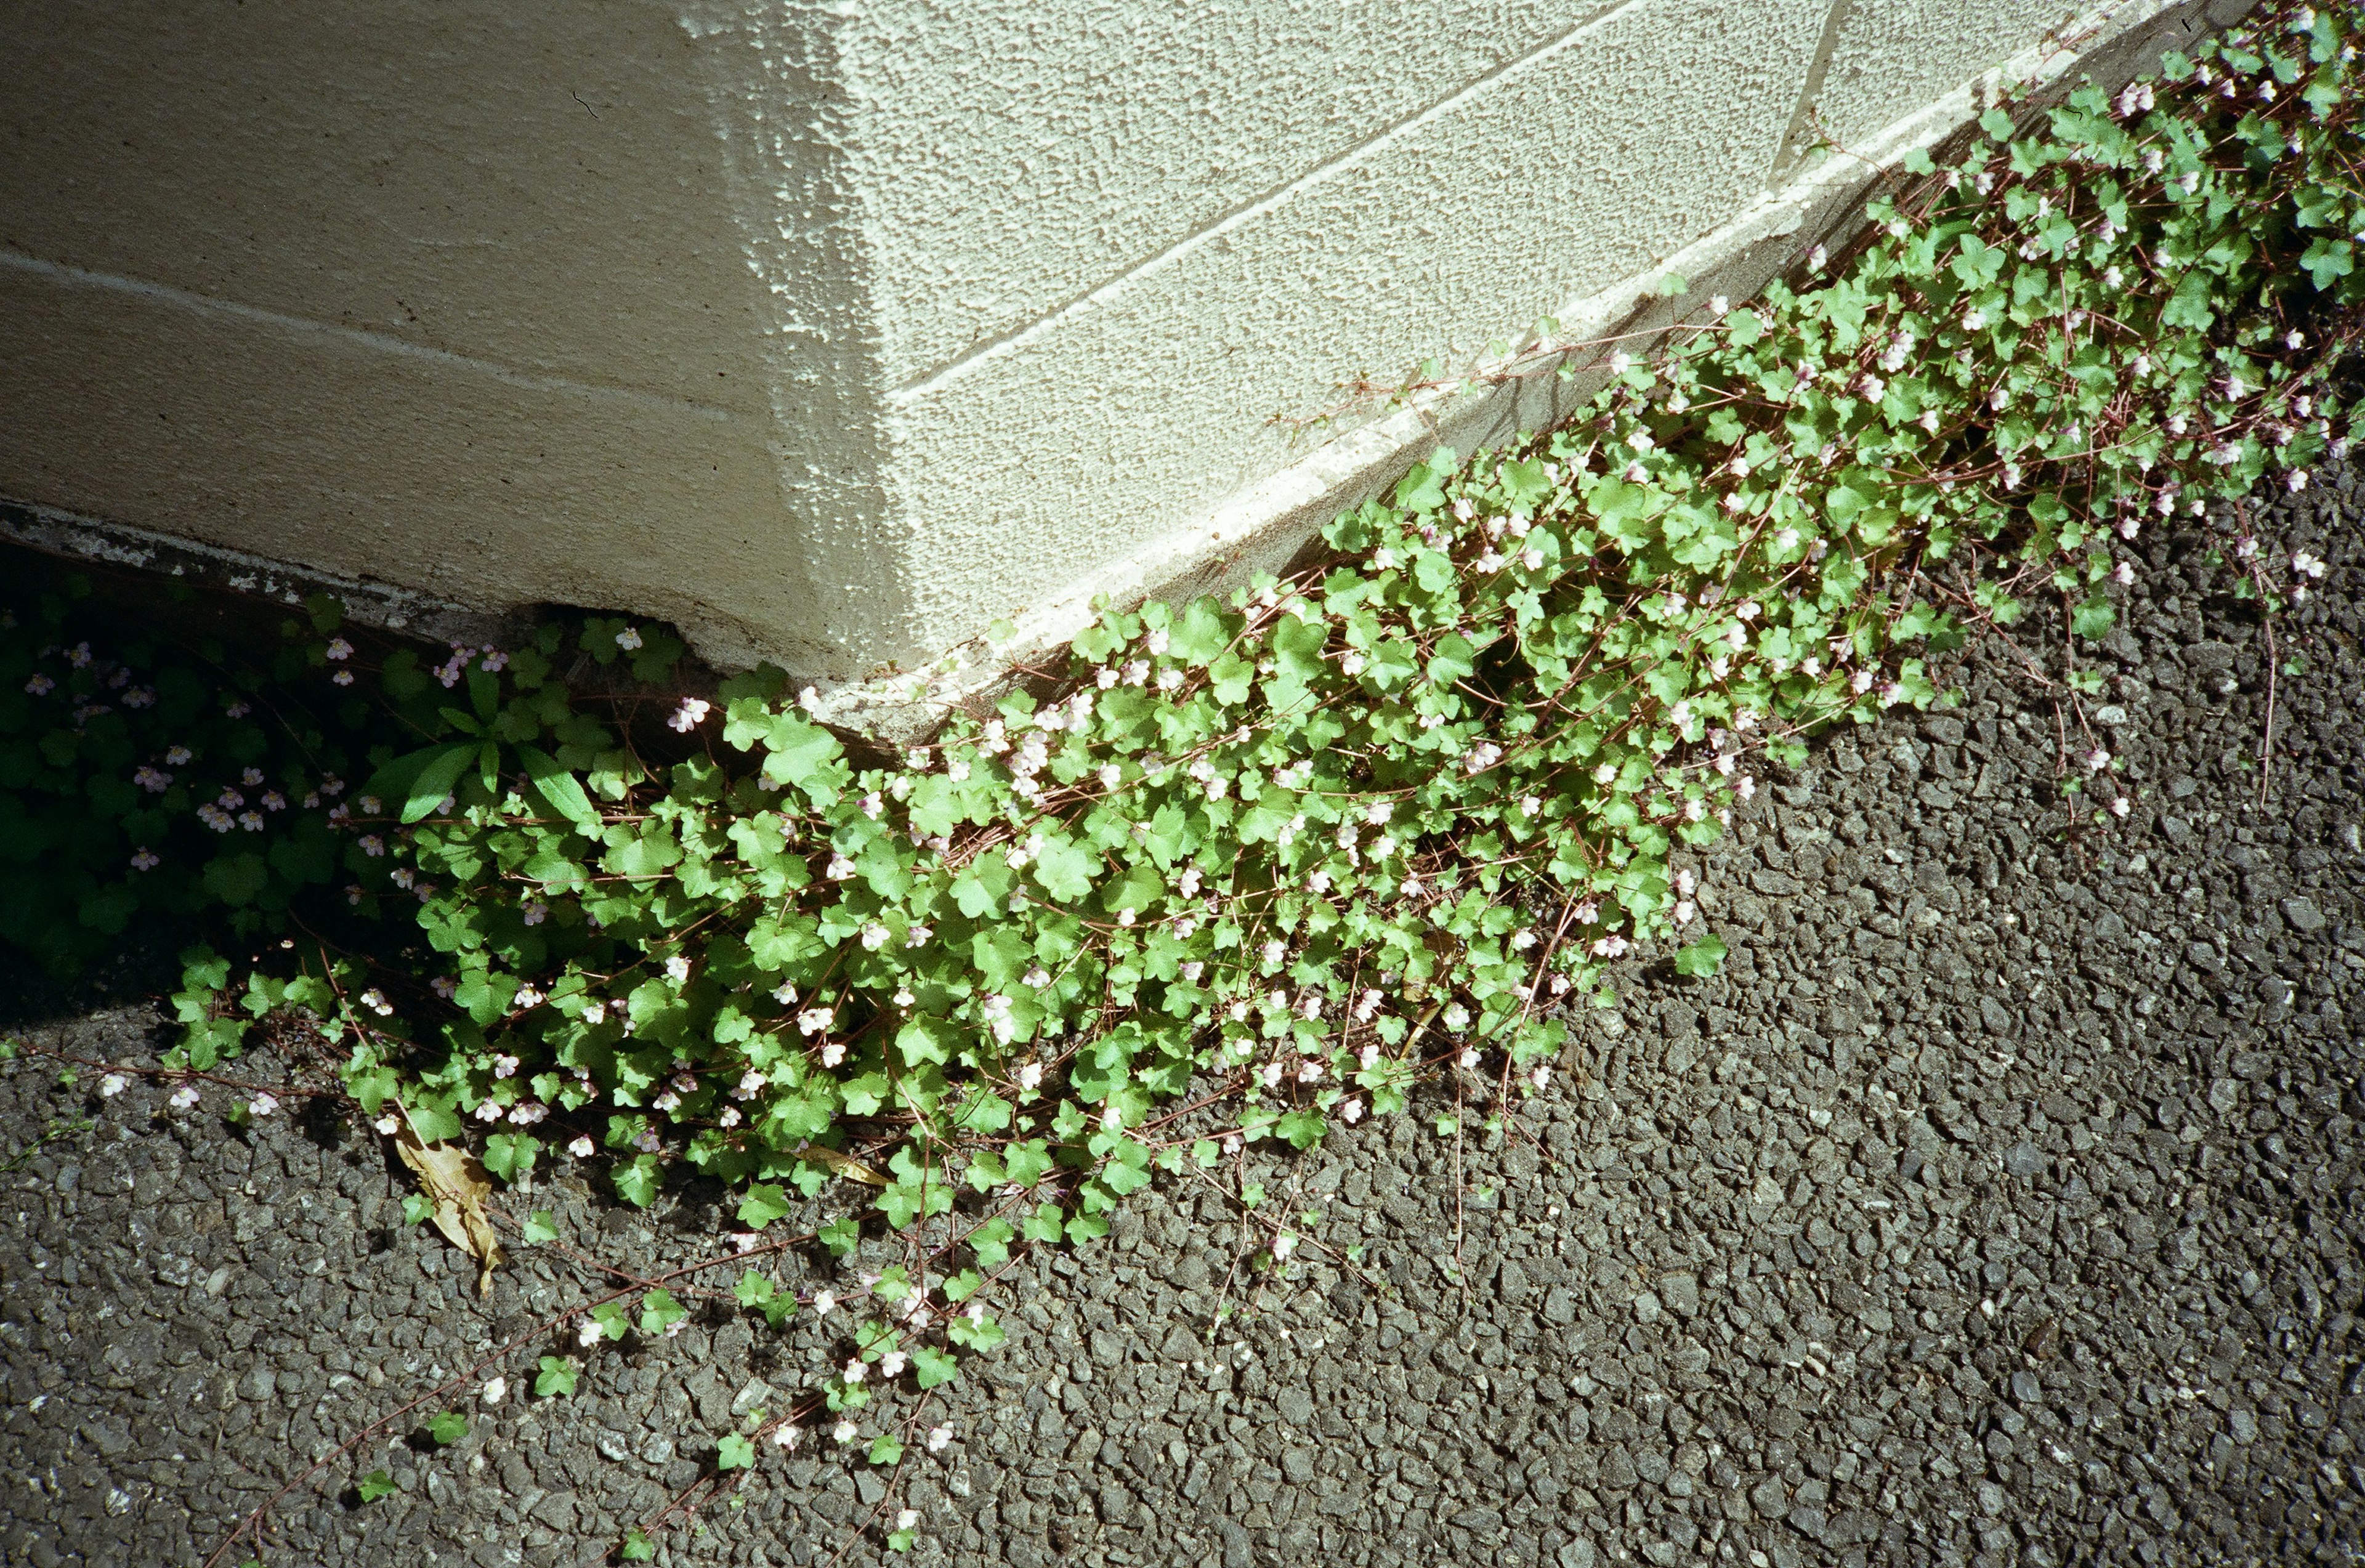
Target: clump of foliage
1386	814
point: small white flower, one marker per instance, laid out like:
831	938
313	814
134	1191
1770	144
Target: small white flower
496	1389
582	1147
262	1104
629	638
785	1436
113	1083
907	1519
855	1370
845	1431
939	1439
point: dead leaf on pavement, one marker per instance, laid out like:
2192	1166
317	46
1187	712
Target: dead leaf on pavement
456	1183
844	1165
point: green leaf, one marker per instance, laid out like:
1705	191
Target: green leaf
979	1334
1423	487
434	779
560	788
927	1038
1524	484
1702	959
375	1484
540	1227
933	1367
636	1180
1199	634
1066	868
2326	260
764	1202
637	1545
758	1290
1301	1129
886	1448
659	1312
448	1427
611	1318
798	753
1454	660
239	879
1234	678
735	1452
506	1155
556	1378
2191	306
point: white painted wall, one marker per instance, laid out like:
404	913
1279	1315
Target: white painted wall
835	329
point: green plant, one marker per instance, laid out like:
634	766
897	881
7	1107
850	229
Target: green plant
1370	821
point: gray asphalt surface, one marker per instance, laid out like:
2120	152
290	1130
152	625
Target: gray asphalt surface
1998	1204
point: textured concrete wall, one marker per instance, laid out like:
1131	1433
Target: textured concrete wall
836	331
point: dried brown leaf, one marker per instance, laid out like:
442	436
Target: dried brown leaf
455	1183
844	1165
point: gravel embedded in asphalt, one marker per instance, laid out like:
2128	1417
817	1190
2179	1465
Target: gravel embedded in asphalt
1998	1204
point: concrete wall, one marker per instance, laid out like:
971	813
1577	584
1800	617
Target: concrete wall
835	332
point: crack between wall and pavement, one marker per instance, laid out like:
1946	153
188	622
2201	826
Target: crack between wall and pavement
382	342
986	350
